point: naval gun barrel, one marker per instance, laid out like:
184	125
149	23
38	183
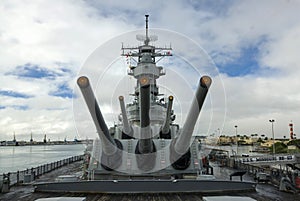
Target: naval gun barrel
180	155
145	144
145	149
165	131
182	142
127	132
111	156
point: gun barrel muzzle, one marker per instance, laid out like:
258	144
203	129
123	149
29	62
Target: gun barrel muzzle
109	146
183	140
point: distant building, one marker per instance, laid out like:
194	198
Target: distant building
292	147
11	143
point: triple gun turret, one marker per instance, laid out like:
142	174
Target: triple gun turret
179	154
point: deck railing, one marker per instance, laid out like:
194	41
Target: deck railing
28	175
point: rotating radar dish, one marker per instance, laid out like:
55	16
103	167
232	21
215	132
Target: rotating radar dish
143	38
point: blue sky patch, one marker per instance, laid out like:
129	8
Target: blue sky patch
37	72
246	64
20	107
65	68
219	8
63	90
14	94
33	71
2	107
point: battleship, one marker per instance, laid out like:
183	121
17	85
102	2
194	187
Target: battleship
147	152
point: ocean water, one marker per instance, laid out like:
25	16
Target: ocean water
14	158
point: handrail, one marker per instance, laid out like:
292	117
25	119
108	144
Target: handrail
15	178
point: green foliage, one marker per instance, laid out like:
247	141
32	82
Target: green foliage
279	148
295	142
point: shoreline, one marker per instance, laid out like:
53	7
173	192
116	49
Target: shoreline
21	144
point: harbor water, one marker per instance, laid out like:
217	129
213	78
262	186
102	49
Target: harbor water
14	158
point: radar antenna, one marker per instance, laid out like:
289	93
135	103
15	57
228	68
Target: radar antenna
146	38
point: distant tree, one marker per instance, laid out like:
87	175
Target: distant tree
254	135
295	142
279	148
259	140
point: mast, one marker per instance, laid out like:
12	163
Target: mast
147	38
146	57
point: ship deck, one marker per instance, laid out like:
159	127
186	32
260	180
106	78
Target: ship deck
26	192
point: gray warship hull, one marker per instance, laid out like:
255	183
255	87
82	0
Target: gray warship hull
146	151
147	186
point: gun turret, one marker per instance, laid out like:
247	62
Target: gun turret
179	148
127	131
165	131
111	157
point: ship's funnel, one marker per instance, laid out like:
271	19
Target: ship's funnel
127	131
180	154
165	131
111	157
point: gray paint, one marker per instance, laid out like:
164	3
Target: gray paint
149	186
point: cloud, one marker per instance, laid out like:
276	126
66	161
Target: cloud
282	53
46	32
44	44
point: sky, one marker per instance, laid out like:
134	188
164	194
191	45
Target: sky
45	45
